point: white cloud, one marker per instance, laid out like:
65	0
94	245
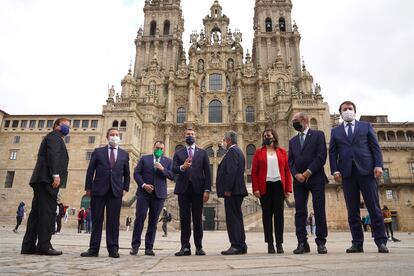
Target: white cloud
59	56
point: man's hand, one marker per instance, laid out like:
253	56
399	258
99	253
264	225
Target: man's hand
159	166
149	188
338	177
306	175
88	192
257	194
287	195
187	164
56	182
206	196
299	177
378	172
227	194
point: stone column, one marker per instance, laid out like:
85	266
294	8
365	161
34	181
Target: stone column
167	140
191	103
260	102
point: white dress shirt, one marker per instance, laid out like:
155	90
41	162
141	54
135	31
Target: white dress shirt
273	173
115	152
352	126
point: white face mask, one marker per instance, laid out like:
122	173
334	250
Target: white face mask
114	140
348	115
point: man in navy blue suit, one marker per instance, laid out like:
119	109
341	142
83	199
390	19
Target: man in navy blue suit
193	186
356	161
231	185
107	180
307	156
150	174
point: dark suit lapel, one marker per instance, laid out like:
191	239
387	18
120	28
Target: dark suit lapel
356	130
344	134
196	153
105	152
307	139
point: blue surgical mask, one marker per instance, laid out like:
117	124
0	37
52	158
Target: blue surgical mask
64	129
190	140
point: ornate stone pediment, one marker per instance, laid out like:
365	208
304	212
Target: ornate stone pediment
216	62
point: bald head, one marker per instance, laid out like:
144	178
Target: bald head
300	121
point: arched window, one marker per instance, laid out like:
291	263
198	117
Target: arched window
313	124
215	82
391	136
210	152
115	123
180	115
268	25
250	114
282	24
381	136
123	123
215	112
410	135
178	147
250	150
153	27
400	136
166	27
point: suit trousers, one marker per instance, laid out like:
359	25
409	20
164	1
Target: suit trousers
191	206
234	221
273	211
113	210
301	193
368	186
154	205
41	221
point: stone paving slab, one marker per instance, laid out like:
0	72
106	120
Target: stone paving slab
257	262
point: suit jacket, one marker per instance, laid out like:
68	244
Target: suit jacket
198	173
230	173
52	159
312	156
364	150
146	173
259	170
100	177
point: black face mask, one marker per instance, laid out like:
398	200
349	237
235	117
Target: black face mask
297	126
267	141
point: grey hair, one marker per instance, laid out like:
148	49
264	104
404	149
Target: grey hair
303	116
232	135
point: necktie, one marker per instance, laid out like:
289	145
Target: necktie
112	158
350	133
190	152
301	139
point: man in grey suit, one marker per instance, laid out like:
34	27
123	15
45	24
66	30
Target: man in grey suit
231	185
49	174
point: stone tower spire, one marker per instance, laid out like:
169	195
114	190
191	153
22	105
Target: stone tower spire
161	34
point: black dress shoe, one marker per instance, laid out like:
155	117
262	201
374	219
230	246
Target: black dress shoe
232	251
270	248
200	252
303	247
183	252
149	252
355	249
279	248
244	250
133	251
322	249
382	248
89	253
50	252
114	254
28	252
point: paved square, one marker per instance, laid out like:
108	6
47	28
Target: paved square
257	262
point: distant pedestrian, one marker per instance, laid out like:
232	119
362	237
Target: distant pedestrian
88	220
81	219
60	215
165	218
128	223
19	216
388	223
312	224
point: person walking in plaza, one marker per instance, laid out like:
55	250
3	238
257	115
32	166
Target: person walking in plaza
19	216
81	219
59	216
272	183
386	213
307	157
107	181
231	185
165	218
49	174
128	223
151	175
88	220
193	186
356	161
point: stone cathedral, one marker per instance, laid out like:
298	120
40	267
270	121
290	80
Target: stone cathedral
213	86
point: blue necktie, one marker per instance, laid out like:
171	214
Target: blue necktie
350	133
301	139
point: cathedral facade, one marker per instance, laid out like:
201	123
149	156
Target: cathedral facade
213	86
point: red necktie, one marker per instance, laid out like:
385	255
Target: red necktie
112	158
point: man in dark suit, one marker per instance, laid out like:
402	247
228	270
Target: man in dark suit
193	186
49	174
356	161
307	156
231	185
107	180
150	174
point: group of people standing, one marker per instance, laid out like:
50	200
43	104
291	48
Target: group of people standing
355	161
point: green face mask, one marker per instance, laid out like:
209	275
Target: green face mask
158	153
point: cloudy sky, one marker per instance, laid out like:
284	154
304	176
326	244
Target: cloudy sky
59	56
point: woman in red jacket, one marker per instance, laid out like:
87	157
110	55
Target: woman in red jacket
272	183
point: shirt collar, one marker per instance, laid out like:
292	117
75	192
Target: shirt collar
305	131
192	146
352	123
115	148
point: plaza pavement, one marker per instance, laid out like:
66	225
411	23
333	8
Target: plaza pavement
257	262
